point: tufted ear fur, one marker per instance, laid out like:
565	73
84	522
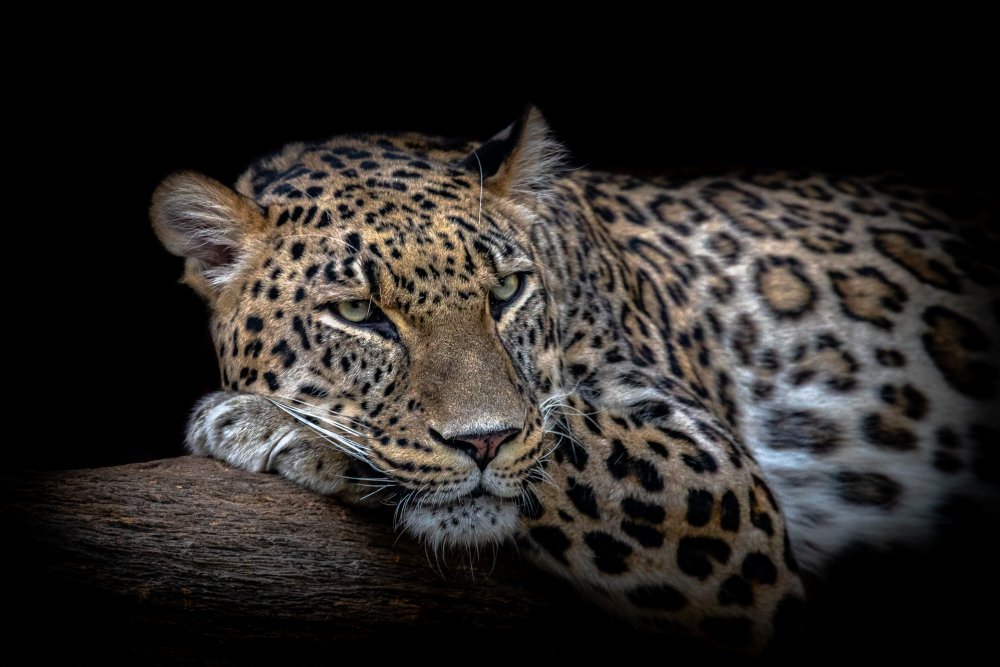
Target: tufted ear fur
521	161
207	223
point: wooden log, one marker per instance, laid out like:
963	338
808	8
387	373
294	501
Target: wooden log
188	558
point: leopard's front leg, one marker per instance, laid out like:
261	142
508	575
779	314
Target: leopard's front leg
254	433
666	522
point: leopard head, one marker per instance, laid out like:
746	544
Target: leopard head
384	291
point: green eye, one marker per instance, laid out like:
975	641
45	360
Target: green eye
363	314
356	311
508	287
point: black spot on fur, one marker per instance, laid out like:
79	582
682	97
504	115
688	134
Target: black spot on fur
638	509
703	461
758	567
952	341
905	249
729	512
644	535
882	434
315	392
353	243
553	540
762	485
583	498
760	519
890	358
618	460
658	448
574	453
647	474
654	410
735	590
867	488
609	553
620	464
699	506
914	402
300	329
802	430
530	507
272	381
694	555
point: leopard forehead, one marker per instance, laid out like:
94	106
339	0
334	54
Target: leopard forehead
390	220
406	220
364	181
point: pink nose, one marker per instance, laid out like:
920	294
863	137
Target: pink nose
483	447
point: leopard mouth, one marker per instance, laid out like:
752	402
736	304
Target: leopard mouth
476	519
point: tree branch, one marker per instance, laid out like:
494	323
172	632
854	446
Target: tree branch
180	557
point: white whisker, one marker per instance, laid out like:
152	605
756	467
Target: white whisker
342	443
479	162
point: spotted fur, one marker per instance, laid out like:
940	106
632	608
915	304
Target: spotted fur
698	386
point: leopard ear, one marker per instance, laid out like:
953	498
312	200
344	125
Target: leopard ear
208	224
521	161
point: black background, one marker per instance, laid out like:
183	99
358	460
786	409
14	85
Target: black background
130	344
107	352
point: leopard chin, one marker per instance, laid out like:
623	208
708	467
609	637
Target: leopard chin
468	522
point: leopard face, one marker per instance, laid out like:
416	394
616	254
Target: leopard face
390	302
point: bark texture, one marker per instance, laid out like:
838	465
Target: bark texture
189	558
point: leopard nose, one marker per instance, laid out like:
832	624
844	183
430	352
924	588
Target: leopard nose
483	447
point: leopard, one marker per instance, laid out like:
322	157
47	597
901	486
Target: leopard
683	394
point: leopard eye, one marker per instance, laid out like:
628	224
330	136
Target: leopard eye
508	287
362	314
357	312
